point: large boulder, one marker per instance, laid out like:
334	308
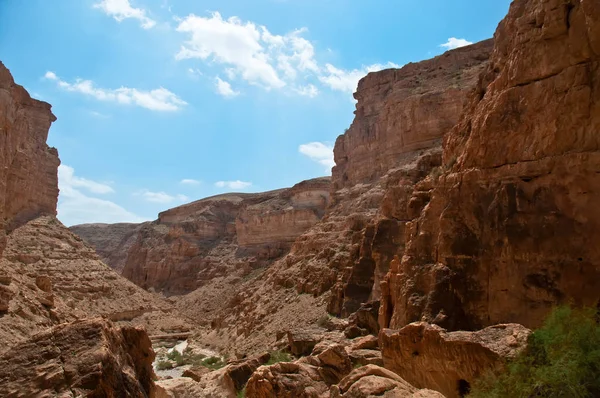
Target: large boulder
373	381
449	362
84	358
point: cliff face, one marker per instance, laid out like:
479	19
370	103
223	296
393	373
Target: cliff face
28	167
401	111
111	241
48	275
393	143
191	245
510	227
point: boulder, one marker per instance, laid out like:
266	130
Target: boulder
83	358
428	356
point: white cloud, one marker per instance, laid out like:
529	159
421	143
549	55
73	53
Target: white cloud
67	175
347	80
248	50
122	9
453	43
160	197
75	207
159	99
308	91
233	184
224	89
99	115
318	152
189	181
50	76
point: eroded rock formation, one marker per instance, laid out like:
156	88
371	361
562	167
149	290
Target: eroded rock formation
427	356
510	224
193	244
28	167
111	241
85	358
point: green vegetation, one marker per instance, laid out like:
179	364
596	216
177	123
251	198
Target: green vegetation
176	357
164	365
213	363
562	360
279	356
241	393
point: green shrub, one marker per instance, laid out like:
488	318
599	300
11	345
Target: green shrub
279	356
241	393
213	363
164	365
562	360
176	357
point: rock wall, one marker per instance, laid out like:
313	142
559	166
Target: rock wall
89	358
111	241
191	245
28	167
393	143
48	275
510	226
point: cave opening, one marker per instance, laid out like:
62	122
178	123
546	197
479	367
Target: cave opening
464	388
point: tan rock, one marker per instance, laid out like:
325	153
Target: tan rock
302	341
449	362
334	364
365	343
28	167
85	358
373	381
287	380
510	226
111	241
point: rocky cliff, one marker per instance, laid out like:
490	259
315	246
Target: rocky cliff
221	236
393	143
28	167
47	274
90	358
510	223
111	241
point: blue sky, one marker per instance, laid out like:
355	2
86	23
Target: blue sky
161	102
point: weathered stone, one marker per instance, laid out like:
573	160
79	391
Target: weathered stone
335	364
302	342
449	362
364	357
510	226
287	380
28	167
373	381
369	342
86	358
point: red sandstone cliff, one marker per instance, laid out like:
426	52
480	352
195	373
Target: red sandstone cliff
221	236
511	224
28	167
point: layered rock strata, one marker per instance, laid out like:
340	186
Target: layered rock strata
509	227
193	244
111	241
28	167
86	358
427	356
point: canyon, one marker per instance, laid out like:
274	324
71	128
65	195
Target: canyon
459	212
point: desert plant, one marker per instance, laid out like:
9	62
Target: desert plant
164	365
279	356
213	363
176	357
241	393
562	359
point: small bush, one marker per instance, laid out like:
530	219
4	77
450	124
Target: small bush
176	357
213	363
241	393
164	365
562	360
279	356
